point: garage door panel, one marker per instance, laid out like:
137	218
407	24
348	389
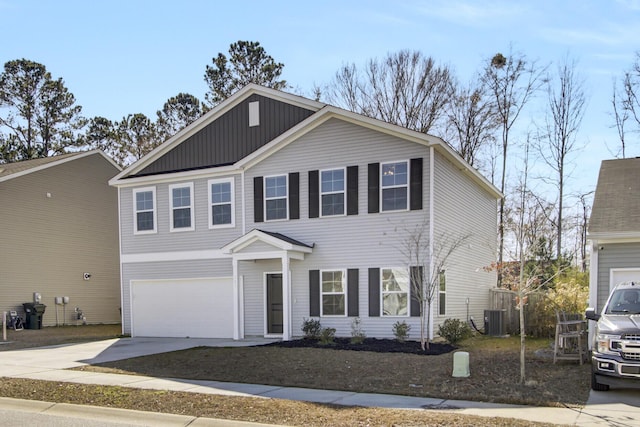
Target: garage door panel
196	308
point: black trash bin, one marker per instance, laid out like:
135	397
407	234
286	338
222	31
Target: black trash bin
33	313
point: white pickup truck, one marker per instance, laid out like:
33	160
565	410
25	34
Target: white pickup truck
615	354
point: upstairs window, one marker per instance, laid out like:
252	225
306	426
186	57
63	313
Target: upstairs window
395	291
221	202
144	210
181	200
394	186
334	293
332	192
275	197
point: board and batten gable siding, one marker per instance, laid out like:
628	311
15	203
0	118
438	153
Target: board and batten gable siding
463	208
230	138
345	242
49	242
215	268
202	238
614	255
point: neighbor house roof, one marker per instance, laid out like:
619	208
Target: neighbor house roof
616	204
14	170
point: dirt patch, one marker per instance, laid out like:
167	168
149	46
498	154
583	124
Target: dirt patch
494	365
56	335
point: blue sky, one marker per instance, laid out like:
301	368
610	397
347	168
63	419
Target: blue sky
121	57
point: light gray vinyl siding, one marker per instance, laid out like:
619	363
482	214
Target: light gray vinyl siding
462	208
615	255
359	241
202	238
215	268
49	242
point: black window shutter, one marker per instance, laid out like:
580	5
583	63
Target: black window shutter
415	196
416	276
353	285
352	190
314	194
374	187
374	292
258	206
294	195
314	293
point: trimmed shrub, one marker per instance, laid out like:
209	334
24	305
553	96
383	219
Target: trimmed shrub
454	330
327	335
311	328
401	330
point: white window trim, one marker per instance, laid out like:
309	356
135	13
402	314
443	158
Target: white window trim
407	185
191	208
344	191
135	210
382	292
443	272
233	202
286	197
344	287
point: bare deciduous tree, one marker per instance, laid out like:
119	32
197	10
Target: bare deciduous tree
471	121
428	258
405	88
511	81
626	103
567	103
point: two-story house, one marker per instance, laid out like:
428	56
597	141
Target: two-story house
273	208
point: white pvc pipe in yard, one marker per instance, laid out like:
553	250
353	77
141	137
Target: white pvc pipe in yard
4	326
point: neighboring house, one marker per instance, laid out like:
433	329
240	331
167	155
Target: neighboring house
59	221
273	208
614	229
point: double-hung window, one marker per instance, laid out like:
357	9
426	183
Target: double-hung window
181	210
395	291
394	186
221	202
334	291
442	293
275	197
332	192
144	210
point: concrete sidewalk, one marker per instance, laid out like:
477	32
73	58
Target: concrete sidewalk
52	363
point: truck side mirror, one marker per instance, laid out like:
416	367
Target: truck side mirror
591	314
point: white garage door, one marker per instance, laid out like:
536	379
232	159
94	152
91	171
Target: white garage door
196	308
618	275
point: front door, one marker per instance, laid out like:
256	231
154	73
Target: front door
274	303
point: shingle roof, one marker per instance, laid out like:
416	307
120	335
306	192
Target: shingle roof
616	204
7	169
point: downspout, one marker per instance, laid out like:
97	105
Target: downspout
431	232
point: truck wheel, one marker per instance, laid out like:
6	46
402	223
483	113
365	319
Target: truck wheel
595	385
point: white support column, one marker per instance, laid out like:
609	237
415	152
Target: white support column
241	303
286	298
432	174
236	301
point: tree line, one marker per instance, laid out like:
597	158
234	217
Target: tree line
482	119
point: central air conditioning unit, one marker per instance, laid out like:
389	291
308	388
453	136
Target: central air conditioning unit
494	323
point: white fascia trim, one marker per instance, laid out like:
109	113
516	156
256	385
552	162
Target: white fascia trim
622	237
258	236
250	256
176	176
173	256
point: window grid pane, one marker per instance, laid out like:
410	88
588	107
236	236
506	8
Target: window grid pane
181	197
394	174
221	193
144	201
394	199
276	197
333	293
221	214
221	203
277	209
145	221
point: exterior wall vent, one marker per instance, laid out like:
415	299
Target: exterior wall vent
254	114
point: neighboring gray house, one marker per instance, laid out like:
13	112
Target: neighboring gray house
60	221
614	228
273	208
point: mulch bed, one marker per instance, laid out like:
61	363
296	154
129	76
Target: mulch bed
370	344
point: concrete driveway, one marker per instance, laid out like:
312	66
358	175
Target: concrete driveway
611	408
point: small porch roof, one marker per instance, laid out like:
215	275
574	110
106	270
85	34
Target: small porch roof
277	241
